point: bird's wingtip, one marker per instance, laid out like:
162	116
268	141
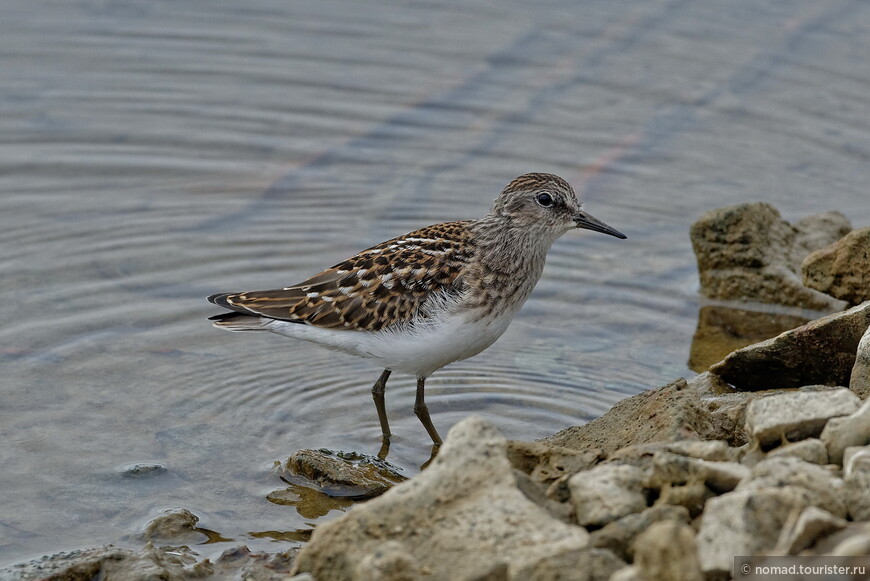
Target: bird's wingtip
220	299
233	321
222	316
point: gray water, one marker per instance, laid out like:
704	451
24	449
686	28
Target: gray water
153	153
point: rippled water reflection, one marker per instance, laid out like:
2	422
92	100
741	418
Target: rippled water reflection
154	153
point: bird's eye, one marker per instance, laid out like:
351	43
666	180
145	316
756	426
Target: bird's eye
545	199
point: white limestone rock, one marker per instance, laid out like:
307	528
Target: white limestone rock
607	492
852	430
798	415
666	551
745	522
802	532
859	382
826	488
458	519
811	450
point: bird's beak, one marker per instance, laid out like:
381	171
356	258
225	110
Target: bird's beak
589	222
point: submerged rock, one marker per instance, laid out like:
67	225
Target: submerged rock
842	269
175	525
342	474
150	563
748	252
822	352
242	563
141	470
458	519
109	562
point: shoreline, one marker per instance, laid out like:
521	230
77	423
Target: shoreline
765	453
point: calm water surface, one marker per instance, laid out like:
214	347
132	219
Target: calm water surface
154	153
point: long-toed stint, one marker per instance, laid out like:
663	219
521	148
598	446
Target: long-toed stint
431	297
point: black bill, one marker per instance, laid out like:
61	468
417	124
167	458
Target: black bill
588	222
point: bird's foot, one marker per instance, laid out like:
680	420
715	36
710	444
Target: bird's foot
385	447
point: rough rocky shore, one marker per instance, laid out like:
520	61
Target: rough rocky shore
670	484
765	453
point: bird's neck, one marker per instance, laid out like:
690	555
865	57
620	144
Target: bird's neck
508	263
506	248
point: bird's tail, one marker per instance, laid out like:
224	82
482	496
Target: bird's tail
239	322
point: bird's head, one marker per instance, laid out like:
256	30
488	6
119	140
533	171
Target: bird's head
542	201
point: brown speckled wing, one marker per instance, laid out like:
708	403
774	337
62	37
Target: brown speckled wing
379	287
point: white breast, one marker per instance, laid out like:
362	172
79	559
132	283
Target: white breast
420	352
418	349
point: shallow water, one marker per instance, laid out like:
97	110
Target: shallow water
152	154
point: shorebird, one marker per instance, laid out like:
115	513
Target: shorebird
418	302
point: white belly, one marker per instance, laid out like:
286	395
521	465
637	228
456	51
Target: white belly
418	350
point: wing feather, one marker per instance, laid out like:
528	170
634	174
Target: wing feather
384	285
